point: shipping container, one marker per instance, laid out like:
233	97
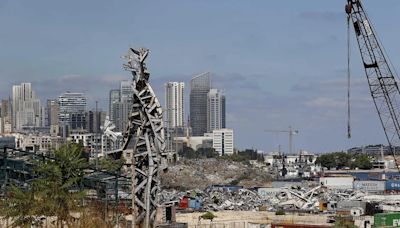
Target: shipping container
339	182
369	186
392	185
184	203
387	220
195	203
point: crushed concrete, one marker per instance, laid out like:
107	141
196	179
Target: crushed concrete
286	198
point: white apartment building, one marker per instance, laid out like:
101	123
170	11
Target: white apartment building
215	110
174	103
223	141
26	108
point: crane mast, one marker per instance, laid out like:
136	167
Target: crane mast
381	79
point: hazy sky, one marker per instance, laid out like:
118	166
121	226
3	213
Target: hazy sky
281	63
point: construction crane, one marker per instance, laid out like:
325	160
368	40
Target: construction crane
380	74
290	132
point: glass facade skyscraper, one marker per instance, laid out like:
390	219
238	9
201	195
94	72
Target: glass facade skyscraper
72	108
199	88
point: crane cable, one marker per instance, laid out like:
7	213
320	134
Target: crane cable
348	78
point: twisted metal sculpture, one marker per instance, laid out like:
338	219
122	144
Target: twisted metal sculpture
144	140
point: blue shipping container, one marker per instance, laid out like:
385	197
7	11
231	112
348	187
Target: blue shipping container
195	203
392	185
192	203
198	204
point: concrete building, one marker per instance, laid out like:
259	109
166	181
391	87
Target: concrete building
7	141
223	141
38	143
120	102
174	99
90	141
215	110
195	142
199	88
126	91
114	98
5	117
94	120
53	111
26	108
121	112
72	108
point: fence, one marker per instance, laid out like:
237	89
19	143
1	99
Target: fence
230	225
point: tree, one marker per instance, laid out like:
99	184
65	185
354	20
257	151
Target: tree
342	159
111	165
187	152
327	160
55	191
20	208
208	215
362	161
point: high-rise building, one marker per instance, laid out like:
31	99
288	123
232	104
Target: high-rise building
215	110
199	88
72	108
126	91
52	116
174	103
114	98
223	141
94	120
121	114
5	116
120	105
26	108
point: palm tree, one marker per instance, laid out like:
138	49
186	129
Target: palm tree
55	191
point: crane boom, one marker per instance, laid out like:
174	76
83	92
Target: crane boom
381	79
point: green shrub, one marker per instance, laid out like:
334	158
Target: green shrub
280	212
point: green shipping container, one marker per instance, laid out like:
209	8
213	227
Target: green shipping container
387	220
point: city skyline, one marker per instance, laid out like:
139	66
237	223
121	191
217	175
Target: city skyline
294	77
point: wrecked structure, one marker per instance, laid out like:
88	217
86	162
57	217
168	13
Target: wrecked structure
304	198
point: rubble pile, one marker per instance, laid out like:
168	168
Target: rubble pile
200	173
287	198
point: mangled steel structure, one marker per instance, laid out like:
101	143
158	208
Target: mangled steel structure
144	140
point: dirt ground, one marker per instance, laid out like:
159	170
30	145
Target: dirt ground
257	217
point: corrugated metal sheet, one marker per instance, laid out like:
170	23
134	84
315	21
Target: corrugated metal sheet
370	186
392	185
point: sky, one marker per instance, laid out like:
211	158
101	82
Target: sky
280	63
